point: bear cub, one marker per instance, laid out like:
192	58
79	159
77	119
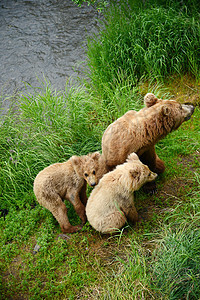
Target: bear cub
111	202
68	180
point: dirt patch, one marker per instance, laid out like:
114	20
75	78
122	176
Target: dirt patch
191	163
181	88
172	190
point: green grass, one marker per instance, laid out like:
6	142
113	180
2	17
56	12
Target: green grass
171	271
43	131
155	42
131	281
49	127
175	270
159	257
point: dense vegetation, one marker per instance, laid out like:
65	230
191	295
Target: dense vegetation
156	259
155	41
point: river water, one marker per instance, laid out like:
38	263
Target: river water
42	38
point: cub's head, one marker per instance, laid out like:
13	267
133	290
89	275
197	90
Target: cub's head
139	173
87	166
170	112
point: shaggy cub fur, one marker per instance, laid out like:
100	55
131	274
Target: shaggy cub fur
111	202
67	180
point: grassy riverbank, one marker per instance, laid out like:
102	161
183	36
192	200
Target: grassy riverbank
156	259
150	40
43	133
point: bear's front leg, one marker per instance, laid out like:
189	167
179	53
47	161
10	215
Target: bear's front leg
160	166
82	194
151	159
155	164
78	206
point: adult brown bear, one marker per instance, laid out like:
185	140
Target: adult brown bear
139	132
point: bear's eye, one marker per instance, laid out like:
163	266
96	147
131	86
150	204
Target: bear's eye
149	174
86	174
93	172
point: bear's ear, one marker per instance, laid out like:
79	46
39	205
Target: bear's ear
150	99
132	156
135	173
95	155
75	160
165	111
77	163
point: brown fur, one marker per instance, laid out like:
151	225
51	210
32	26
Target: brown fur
111	202
139	132
68	180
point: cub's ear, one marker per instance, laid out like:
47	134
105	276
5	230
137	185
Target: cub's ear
134	173
150	99
77	163
95	155
132	156
165	111
75	160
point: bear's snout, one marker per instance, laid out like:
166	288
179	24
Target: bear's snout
92	180
188	109
153	176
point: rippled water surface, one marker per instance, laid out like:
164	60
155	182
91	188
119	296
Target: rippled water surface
41	37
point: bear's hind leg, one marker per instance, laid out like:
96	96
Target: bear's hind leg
61	215
132	214
112	222
57	207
